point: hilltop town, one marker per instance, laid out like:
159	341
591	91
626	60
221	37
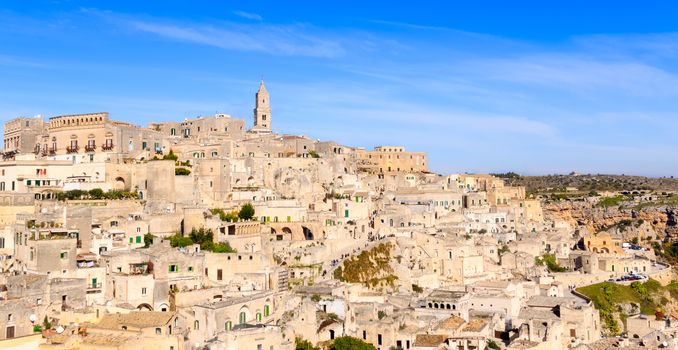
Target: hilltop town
209	234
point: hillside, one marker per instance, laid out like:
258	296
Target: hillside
591	182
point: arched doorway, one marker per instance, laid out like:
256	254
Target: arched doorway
119	184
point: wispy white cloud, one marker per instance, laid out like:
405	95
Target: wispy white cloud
288	40
248	15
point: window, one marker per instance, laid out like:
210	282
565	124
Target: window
174	268
131	240
258	316
2	242
63	255
138	239
190	269
228	325
219	275
196	325
267	310
243	317
138	229
10	318
158	330
143	291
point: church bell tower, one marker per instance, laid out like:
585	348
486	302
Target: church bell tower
262	111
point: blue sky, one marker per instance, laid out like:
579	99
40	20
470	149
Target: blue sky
481	86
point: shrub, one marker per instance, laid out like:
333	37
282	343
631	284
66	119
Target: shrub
96	193
492	345
177	240
350	343
181	171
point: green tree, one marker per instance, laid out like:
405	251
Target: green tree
170	156
350	343
246	212
148	240
46	323
302	344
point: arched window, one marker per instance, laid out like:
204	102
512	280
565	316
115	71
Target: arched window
228	325
196	325
267	308
243	317
173	131
258	316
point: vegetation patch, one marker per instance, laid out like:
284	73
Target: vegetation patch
609	297
551	263
96	194
370	267
611	201
204	237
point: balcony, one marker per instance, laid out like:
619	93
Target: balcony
72	149
93	288
107	147
90	148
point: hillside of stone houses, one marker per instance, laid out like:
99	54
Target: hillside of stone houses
208	234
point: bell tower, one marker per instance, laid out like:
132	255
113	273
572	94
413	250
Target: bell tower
262	111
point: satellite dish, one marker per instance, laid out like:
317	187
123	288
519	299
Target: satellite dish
60	329
33	318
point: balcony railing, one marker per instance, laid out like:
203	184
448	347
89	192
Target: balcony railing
72	149
107	147
91	286
90	148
